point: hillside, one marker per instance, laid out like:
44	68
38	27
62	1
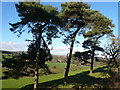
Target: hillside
56	58
59	58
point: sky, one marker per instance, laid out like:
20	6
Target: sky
11	42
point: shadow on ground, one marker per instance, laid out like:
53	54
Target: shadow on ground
82	79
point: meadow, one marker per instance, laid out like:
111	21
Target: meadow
84	66
78	75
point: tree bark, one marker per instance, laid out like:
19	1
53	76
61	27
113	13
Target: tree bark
116	64
38	44
92	62
93	54
69	56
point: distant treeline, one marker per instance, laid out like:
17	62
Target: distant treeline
9	52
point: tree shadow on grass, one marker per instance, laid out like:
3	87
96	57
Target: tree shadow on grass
102	69
82	79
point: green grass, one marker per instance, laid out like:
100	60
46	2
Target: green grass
6	55
51	80
56	68
60	67
1	72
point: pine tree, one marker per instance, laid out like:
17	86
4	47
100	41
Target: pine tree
99	26
38	19
77	17
23	63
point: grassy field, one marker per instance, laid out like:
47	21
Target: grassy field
60	67
6	55
56	68
77	76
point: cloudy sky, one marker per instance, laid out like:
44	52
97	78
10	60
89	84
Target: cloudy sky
14	46
11	42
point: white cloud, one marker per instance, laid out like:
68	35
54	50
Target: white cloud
13	46
78	49
64	50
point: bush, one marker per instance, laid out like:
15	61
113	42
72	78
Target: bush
114	80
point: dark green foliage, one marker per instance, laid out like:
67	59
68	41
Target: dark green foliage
14	65
36	18
39	20
72	19
79	19
89	44
23	64
98	27
93	36
44	56
72	13
82	56
92	45
5	52
91	22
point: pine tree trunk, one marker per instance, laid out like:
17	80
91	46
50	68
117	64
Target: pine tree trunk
37	61
69	57
92	62
36	78
116	64
119	69
68	63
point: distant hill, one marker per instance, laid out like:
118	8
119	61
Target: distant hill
56	58
59	58
6	52
9	52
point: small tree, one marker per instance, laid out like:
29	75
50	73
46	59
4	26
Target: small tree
14	65
92	46
82	56
22	64
111	53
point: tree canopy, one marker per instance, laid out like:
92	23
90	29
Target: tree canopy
32	20
78	18
40	20
45	21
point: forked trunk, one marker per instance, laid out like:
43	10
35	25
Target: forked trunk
69	56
